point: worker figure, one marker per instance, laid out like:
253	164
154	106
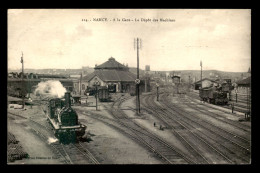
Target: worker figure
232	107
30	100
154	124
247	114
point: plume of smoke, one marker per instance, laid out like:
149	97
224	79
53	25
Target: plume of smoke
50	87
52	140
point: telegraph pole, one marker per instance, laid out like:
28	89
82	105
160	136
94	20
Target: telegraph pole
145	89
22	64
189	82
157	86
22	79
201	73
80	83
138	91
249	96
138	80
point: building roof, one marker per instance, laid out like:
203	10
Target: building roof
52	76
112	64
176	77
111	75
205	79
246	81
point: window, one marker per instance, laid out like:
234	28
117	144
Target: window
83	87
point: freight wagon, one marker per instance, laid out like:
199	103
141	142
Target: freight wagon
103	95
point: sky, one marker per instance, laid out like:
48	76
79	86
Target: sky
63	39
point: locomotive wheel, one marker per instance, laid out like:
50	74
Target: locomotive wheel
67	137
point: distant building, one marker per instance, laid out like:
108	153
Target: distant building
225	80
147	68
29	82
176	79
111	73
206	82
243	86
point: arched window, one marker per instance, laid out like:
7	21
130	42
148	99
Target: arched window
83	87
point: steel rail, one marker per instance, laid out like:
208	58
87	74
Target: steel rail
237	108
206	123
132	126
201	139
181	113
65	155
166	121
132	134
215	142
238	125
84	151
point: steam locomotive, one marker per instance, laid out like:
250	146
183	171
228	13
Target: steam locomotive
64	119
214	95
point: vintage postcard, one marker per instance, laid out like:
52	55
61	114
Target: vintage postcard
129	86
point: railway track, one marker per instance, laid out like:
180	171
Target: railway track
57	149
64	152
212	132
236	108
78	153
183	137
239	100
156	144
239	107
203	109
219	128
171	158
151	141
190	138
225	106
240	103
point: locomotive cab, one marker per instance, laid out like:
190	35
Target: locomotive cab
54	105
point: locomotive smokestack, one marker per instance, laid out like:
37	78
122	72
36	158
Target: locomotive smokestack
67	99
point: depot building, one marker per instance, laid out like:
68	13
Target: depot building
111	74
